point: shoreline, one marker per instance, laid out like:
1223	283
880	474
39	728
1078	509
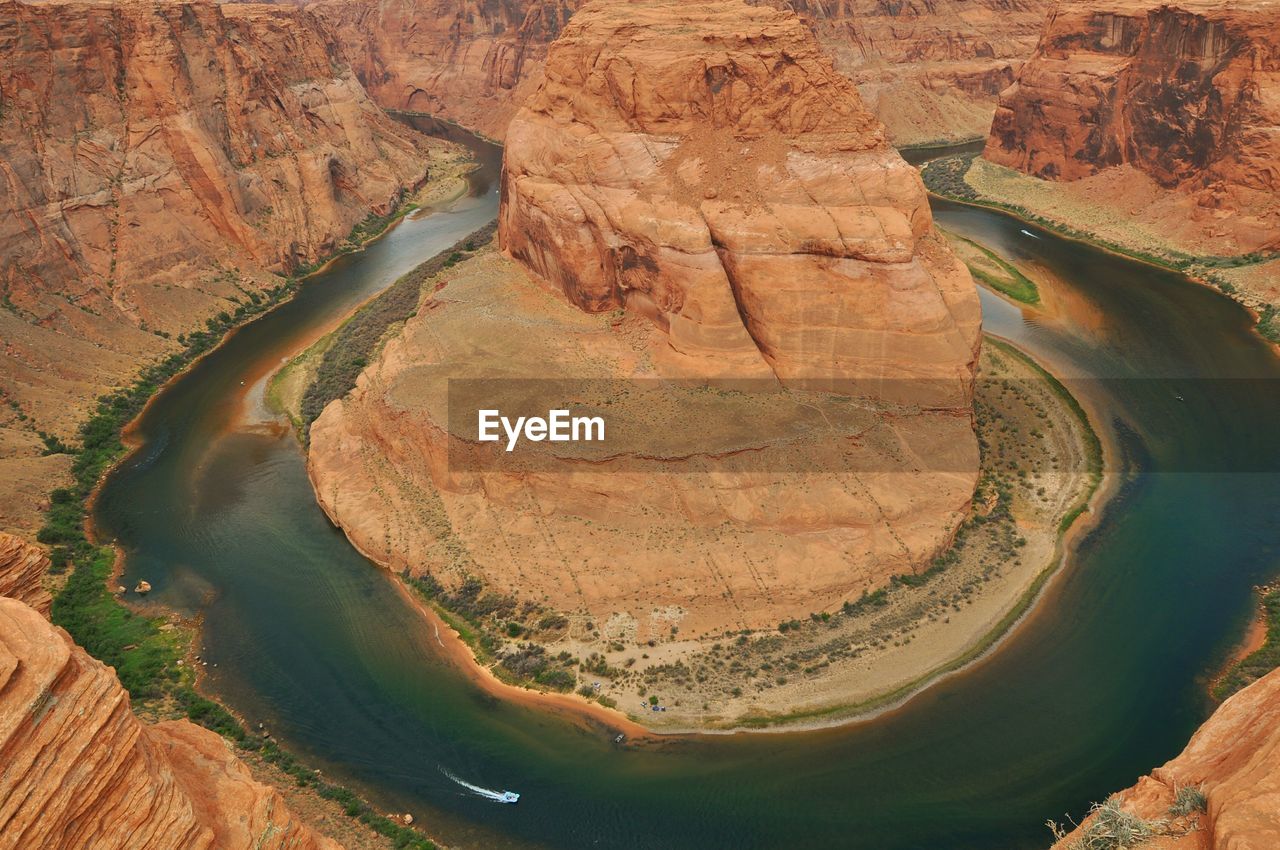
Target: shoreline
427	196
1064	230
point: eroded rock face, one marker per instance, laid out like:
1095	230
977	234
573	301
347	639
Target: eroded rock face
706	166
22	566
1186	94
80	770
694	193
156	161
472	62
927	70
1235	759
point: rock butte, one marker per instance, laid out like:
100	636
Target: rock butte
928	70
1235	759
157	160
617	197
80	770
1188	94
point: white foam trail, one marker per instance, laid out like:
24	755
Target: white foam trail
1029	233
483	792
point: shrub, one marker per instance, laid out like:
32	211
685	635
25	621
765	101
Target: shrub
1188	799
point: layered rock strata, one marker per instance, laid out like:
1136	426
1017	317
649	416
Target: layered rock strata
928	70
157	160
22	570
80	770
1185	95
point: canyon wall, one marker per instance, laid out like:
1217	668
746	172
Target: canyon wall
1234	759
158	161
928	70
470	62
716	247
80	770
1187	95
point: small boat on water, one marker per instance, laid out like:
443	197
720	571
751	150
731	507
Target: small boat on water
509	797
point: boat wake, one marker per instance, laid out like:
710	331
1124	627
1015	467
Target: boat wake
487	793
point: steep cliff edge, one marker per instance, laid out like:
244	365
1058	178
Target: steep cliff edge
82	771
1234	759
1185	95
470	62
927	70
698	195
22	568
718	176
157	160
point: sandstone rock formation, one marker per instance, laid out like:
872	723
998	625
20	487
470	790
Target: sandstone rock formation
22	566
698	196
724	180
156	160
80	770
927	70
1187	94
471	62
1235	759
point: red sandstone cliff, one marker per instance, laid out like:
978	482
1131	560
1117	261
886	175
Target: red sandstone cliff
1235	759
927	70
471	62
80	770
157	159
1187	93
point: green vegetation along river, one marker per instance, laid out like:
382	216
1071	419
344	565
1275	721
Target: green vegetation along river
1099	685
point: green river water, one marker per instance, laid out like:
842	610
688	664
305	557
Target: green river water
1102	683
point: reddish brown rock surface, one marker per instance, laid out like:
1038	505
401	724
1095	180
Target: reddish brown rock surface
1187	94
1235	759
471	62
709	169
157	161
695	193
927	70
80	770
22	567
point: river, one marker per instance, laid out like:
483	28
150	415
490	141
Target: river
1099	685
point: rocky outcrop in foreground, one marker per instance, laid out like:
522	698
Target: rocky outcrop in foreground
1234	759
157	159
694	193
22	567
1187	94
80	770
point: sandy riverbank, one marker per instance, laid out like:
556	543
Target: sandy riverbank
1125	213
